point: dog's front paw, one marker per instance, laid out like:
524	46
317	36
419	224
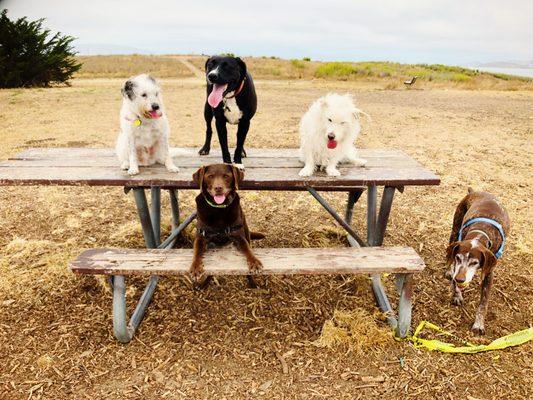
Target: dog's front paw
306	171
197	272
255	266
204	150
457	300
333	172
478	329
172	168
133	170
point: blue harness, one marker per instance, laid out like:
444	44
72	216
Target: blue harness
495	224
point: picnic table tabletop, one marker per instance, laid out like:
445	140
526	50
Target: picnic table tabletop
266	169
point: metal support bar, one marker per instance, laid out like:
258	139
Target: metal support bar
404	283
175	210
144	216
384	212
332	212
371	215
169	241
374	232
353	198
155	214
151	226
120	328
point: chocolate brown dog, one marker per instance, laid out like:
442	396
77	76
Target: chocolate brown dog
220	218
480	226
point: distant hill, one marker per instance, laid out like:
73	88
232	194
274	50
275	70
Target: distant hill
505	64
95	49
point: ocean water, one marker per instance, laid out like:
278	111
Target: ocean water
528	72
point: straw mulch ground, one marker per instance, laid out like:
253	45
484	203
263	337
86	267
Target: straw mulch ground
231	342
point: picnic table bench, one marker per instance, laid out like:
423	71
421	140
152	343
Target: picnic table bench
266	169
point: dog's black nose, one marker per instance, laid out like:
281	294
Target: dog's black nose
212	75
459	280
155	106
331	136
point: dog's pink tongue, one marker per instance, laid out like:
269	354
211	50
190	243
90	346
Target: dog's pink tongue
215	97
219	198
154	114
332	144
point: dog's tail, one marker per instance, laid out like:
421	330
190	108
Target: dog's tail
470	190
256	235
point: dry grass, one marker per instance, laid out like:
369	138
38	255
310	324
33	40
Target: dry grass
229	342
383	74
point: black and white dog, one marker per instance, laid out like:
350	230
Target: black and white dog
230	98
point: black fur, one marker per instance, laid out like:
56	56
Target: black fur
231	71
127	90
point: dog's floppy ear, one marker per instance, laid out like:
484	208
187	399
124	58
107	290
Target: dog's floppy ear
127	89
488	262
357	112
242	66
206	62
198	177
238	176
451	251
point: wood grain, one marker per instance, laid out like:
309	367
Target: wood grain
266	169
228	261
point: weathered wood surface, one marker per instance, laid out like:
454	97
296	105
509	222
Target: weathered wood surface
228	261
266	169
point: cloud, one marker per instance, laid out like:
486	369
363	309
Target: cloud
409	31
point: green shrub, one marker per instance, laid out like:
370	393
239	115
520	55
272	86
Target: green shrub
335	69
298	64
30	57
306	59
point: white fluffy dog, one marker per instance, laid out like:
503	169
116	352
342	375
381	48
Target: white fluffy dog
327	134
144	129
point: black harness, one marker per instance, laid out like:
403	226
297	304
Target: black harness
218	235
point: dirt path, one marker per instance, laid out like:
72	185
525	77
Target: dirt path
199	74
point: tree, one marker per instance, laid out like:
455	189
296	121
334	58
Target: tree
31	56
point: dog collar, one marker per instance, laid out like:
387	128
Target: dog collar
136	122
238	90
214	205
489	221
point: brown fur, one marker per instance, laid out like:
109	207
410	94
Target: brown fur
216	179
473	205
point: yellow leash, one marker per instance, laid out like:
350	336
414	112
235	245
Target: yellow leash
513	339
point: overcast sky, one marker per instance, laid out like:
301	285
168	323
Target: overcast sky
432	31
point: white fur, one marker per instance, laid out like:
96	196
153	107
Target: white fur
232	112
332	114
146	144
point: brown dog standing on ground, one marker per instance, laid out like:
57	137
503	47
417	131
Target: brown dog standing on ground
220	218
480	226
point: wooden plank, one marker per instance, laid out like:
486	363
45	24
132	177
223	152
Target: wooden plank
77	152
97	167
228	261
255	179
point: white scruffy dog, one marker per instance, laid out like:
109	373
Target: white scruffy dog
143	139
327	134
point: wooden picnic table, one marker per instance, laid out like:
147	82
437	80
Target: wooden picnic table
266	169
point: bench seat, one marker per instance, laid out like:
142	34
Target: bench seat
228	261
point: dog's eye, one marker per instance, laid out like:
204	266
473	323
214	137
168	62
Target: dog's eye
329	120
143	95
343	123
156	94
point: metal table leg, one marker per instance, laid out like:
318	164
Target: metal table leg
404	284
353	198
151	227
